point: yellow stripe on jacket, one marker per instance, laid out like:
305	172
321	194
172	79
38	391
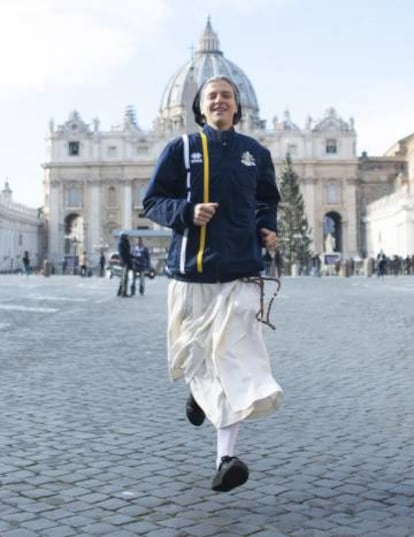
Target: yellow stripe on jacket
206	186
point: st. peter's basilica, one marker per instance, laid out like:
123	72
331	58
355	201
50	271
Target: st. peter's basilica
95	179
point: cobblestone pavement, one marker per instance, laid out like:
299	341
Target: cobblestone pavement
94	441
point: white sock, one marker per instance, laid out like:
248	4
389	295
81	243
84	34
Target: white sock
226	441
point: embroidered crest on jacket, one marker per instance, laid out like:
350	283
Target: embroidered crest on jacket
196	158
248	159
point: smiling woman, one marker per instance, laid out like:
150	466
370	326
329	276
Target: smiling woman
219	228
218	103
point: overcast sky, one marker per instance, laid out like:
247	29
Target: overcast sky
99	56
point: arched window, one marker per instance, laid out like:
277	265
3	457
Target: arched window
112	197
331	146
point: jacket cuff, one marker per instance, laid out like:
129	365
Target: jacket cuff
188	215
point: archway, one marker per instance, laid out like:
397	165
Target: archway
332	232
74	242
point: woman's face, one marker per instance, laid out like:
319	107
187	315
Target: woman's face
218	104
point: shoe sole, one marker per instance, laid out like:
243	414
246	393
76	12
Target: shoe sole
234	477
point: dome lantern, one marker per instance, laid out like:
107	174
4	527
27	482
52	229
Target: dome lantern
209	41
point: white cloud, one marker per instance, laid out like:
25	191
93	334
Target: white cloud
46	43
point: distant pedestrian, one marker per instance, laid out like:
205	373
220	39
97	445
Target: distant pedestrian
102	262
26	263
141	262
124	250
381	264
83	264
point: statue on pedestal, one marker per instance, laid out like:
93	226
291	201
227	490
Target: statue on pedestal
330	243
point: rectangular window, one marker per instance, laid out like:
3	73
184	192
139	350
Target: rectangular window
112	197
112	151
73	198
142	150
331	146
73	148
332	193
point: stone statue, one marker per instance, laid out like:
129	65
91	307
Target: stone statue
330	243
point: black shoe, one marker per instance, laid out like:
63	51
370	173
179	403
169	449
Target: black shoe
195	414
231	473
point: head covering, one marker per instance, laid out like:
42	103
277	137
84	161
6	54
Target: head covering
198	116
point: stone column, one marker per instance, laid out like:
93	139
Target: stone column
55	225
126	217
94	232
349	236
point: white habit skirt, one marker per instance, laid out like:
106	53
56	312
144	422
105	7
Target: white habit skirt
216	344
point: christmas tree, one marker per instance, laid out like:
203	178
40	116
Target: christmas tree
293	227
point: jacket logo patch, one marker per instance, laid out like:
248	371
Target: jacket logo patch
196	158
248	159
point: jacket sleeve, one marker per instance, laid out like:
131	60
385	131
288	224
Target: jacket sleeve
267	194
165	199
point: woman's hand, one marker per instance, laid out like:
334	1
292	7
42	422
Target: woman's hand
269	238
204	212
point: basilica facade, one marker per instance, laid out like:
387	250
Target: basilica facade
95	179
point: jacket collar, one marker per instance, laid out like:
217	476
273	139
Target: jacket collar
216	135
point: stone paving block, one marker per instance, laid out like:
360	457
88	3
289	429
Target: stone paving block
58	513
134	510
77	521
117	519
141	527
37	507
163	532
99	528
20	532
60	531
307	532
38	524
271	533
5	525
321	524
120	533
395	531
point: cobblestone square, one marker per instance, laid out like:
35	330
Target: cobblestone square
94	439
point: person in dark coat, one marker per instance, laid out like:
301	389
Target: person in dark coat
124	250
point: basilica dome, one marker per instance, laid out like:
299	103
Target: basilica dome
175	113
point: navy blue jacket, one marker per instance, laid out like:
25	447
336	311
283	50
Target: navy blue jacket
241	180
